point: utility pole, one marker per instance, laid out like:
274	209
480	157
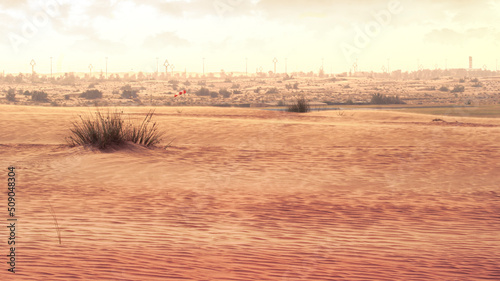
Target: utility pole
275	60
166	64
33	63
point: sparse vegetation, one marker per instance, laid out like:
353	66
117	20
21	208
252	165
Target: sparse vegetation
129	94
458	89
103	131
444	89
203	92
91	94
224	93
11	95
272	91
300	105
39	96
383	99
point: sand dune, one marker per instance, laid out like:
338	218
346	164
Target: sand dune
248	194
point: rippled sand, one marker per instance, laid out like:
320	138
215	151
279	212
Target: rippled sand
246	194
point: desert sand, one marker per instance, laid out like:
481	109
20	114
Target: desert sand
248	194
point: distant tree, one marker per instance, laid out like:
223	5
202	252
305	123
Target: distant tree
444	89
39	96
11	95
91	94
129	94
203	92
224	93
383	99
458	89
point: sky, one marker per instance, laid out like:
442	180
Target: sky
246	35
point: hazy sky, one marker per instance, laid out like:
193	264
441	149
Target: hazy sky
133	33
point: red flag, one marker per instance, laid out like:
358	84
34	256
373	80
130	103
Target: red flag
175	96
184	91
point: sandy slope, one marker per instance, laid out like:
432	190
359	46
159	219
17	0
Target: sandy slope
257	195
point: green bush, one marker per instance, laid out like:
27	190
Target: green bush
107	130
91	94
300	105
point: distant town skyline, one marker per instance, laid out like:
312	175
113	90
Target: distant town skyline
236	35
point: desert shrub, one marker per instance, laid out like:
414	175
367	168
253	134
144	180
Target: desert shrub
11	95
444	89
235	86
214	94
91	94
383	99
461	80
237	92
477	85
129	94
475	80
92	85
224	93
66	97
458	89
203	92
27	93
39	96
300	105
106	130
349	102
202	83
187	83
257	90
228	80
272	91
126	88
